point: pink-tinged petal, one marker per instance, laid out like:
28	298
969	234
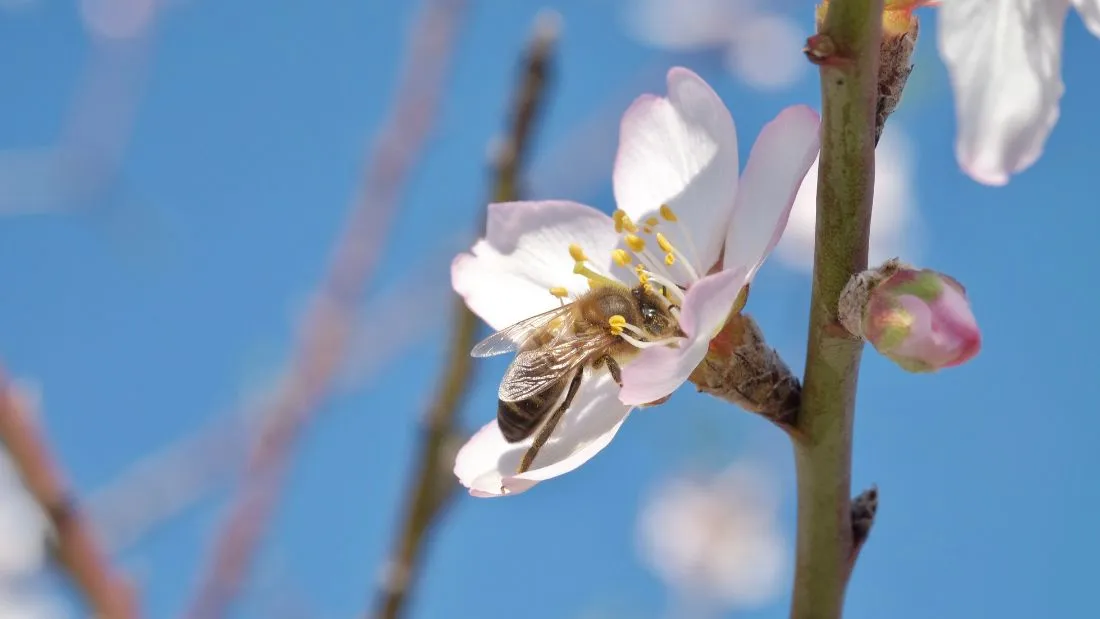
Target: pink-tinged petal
680	151
486	464
780	158
922	321
660	370
525	252
1004	59
1089	10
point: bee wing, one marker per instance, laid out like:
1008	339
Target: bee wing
534	371
512	337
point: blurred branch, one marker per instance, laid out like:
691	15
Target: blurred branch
173	478
846	174
433	487
76	548
330	321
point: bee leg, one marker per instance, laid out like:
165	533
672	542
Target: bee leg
548	427
613	367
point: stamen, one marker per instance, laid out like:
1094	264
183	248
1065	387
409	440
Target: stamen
594	278
652	222
559	292
644	344
635	330
670	259
663	243
577	253
667	213
647	230
635	242
620	257
617	323
669	286
623	222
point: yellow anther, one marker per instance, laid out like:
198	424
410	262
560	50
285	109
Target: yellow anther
667	213
623	222
577	253
652	221
616	322
635	242
670	259
620	257
663	243
647	230
559	292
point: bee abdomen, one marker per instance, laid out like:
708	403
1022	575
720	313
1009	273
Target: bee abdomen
518	420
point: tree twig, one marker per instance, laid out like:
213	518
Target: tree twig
433	486
330	321
823	447
75	548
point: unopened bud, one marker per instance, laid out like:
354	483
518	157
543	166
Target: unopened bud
920	319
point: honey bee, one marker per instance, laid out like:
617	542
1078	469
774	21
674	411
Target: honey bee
555	348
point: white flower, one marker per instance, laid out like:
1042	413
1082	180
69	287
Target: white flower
1004	58
894	219
716	538
23	529
761	47
685	222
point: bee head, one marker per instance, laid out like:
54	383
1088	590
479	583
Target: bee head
656	318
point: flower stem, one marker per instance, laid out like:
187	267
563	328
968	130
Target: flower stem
823	445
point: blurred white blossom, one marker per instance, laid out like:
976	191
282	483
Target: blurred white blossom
717	538
23	530
895	222
760	47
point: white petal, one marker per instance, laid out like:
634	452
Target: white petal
525	252
680	151
1090	14
486	464
23	526
1004	59
777	165
767	52
895	221
658	371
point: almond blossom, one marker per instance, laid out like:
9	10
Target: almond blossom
1004	59
686	223
23	532
760	46
716	539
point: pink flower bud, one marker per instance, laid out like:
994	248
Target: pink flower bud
921	319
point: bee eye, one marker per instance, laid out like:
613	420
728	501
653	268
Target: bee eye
649	313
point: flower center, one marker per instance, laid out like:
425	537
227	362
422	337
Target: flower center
650	271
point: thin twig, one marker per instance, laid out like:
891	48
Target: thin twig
823	445
75	548
433	486
330	321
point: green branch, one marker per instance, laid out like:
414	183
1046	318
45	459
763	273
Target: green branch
823	445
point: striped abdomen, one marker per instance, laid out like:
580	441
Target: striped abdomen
518	420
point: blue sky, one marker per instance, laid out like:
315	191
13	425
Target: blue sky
162	302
